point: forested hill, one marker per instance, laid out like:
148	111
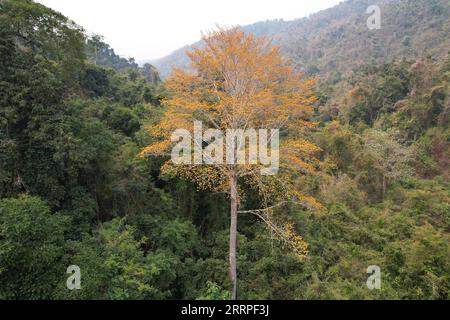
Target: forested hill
334	41
100	53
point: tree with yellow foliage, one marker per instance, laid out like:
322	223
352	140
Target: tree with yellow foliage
236	82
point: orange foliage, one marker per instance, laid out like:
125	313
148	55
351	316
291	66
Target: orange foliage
239	81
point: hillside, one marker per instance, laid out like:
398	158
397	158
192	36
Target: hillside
334	41
101	54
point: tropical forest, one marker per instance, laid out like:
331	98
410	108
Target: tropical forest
357	183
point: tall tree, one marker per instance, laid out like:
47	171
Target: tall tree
238	81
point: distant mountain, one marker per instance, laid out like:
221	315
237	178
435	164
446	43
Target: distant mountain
333	42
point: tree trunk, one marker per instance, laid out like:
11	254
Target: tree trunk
233	234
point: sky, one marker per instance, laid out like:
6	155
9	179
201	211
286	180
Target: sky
151	29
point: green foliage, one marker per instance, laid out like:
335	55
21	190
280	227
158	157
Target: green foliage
74	191
377	89
100	53
214	292
31	248
114	266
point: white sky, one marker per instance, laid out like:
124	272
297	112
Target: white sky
150	29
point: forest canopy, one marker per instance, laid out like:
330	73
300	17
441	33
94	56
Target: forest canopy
74	190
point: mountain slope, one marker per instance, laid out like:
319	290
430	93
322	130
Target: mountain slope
334	41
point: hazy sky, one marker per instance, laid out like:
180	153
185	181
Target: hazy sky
149	29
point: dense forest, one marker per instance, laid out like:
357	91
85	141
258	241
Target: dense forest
76	190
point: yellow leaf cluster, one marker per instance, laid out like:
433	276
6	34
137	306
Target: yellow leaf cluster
239	81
